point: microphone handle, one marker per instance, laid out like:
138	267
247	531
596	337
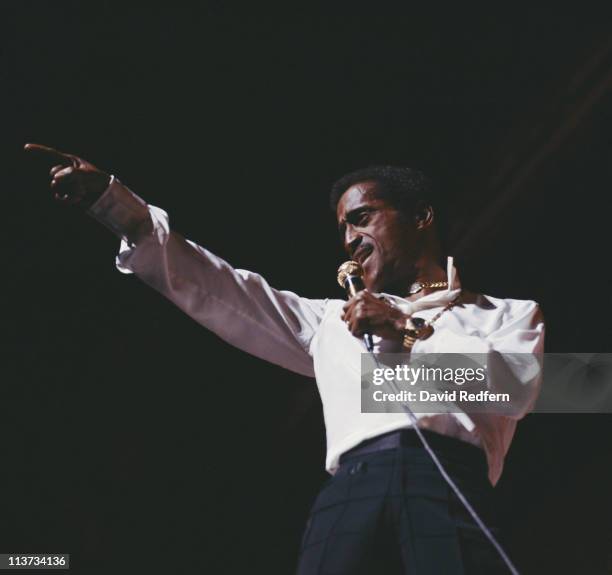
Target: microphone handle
354	284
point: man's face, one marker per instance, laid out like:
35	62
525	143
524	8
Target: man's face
379	237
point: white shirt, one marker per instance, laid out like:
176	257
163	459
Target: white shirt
307	336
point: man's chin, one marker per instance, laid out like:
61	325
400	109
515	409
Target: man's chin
374	277
372	284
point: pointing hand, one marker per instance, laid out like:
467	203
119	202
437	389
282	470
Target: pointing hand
73	180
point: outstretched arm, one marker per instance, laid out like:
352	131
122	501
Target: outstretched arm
238	305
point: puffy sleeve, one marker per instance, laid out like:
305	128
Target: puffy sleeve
237	305
512	347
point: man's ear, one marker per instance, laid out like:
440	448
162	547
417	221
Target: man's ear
423	216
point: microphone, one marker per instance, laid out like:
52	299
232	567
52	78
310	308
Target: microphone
350	278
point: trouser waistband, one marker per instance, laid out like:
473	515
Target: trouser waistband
441	444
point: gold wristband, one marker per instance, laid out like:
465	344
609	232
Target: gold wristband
415	328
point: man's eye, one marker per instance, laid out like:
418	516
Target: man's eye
362	219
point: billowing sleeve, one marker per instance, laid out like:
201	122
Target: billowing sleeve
516	355
511	345
237	305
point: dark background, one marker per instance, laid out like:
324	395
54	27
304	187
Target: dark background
140	443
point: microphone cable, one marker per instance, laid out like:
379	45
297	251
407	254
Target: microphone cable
450	482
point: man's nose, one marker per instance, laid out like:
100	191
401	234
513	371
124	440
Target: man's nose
352	240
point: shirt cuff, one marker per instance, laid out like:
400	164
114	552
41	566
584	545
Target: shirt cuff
122	211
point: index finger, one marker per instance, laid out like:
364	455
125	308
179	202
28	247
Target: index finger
52	153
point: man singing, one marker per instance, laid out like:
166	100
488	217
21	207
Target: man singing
387	508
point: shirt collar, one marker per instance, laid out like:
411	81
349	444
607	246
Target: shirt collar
437	298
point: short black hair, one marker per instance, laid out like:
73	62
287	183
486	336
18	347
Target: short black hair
404	188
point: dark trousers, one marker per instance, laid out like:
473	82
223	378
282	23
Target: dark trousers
392	512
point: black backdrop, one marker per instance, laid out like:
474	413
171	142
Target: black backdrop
136	440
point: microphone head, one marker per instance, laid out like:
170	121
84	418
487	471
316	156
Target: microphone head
350	268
